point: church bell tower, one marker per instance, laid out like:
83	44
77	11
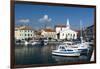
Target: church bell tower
67	24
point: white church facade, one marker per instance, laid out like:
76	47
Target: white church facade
65	32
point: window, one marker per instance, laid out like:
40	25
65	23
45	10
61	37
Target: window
62	49
25	35
66	35
28	34
70	34
63	34
69	50
73	35
61	28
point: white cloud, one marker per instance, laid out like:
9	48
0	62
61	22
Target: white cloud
45	18
24	20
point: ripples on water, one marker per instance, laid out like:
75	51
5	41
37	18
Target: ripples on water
25	55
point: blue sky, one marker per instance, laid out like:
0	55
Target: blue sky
27	14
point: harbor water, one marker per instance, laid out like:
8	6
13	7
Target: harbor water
38	54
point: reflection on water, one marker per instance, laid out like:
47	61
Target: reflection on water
61	59
42	55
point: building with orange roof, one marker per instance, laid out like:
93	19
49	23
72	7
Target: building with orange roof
48	33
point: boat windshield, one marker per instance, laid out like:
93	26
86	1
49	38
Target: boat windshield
69	50
61	48
69	43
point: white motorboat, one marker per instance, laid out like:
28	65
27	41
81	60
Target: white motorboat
45	42
83	46
79	46
26	43
64	51
34	42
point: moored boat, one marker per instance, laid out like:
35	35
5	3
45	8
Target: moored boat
64	51
34	42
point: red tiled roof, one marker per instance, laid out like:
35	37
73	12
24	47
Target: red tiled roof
25	28
77	30
49	30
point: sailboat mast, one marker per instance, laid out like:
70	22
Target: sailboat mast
81	31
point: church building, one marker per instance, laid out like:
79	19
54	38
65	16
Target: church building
65	32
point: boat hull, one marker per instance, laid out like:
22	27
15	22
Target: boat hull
66	54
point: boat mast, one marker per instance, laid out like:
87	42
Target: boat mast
81	31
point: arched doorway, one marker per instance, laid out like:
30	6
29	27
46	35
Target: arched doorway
58	36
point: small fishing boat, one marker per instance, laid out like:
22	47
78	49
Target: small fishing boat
62	50
34	42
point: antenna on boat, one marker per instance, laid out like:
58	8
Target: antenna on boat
81	31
